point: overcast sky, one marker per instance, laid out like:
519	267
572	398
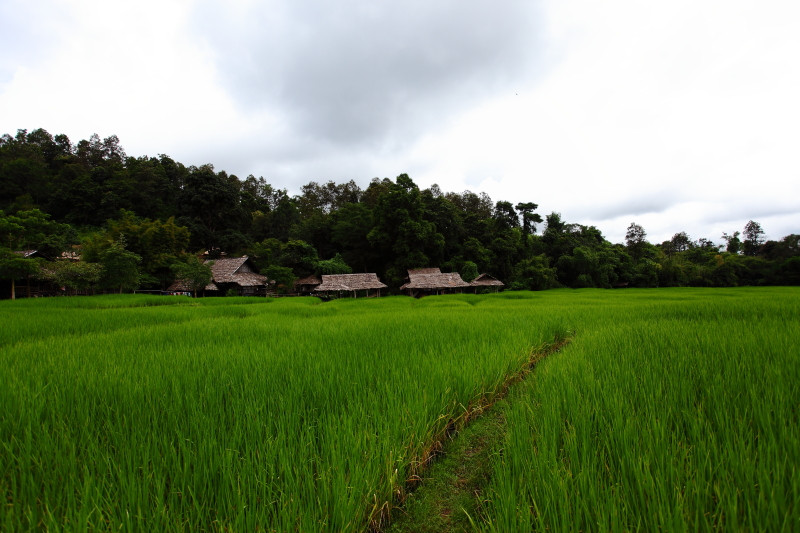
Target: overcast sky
680	115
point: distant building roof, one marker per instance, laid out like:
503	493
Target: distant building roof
26	253
349	282
433	279
418	271
180	286
486	280
309	280
235	270
227	270
70	255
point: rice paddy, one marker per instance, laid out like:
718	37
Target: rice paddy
671	409
676	412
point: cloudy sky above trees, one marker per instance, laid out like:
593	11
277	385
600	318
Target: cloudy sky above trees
680	115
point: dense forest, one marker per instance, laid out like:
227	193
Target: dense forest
136	222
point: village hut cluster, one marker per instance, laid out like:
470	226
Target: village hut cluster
419	282
33	286
237	275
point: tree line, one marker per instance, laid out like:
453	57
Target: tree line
139	220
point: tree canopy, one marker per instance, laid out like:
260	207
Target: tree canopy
141	218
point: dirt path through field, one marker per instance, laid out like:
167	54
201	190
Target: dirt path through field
450	493
450	496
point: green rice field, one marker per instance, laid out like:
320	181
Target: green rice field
672	409
669	411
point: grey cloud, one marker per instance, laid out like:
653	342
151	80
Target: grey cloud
369	73
751	210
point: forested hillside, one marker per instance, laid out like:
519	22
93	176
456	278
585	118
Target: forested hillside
136	220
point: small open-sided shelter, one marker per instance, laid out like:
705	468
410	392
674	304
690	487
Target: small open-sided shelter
350	283
230	273
422	281
486	281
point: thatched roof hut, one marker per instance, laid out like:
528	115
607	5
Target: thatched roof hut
230	273
487	281
353	283
423	281
237	270
422	271
307	284
180	285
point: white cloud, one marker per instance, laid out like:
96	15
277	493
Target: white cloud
686	104
127	69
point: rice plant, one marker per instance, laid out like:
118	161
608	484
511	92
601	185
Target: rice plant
237	414
670	409
676	412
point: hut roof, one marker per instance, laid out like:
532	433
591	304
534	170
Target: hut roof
486	280
349	282
180	286
310	280
417	271
226	270
439	280
235	270
413	272
28	253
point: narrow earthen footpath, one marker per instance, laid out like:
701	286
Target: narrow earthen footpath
451	494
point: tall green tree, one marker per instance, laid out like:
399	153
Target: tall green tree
120	268
400	233
73	275
534	274
300	256
14	266
158	243
209	205
529	216
328	197
753	238
732	243
438	210
350	228
283	278
194	273
505	215
681	242
507	248
635	239
33	229
265	253
25	231
334	265
475	212
469	271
